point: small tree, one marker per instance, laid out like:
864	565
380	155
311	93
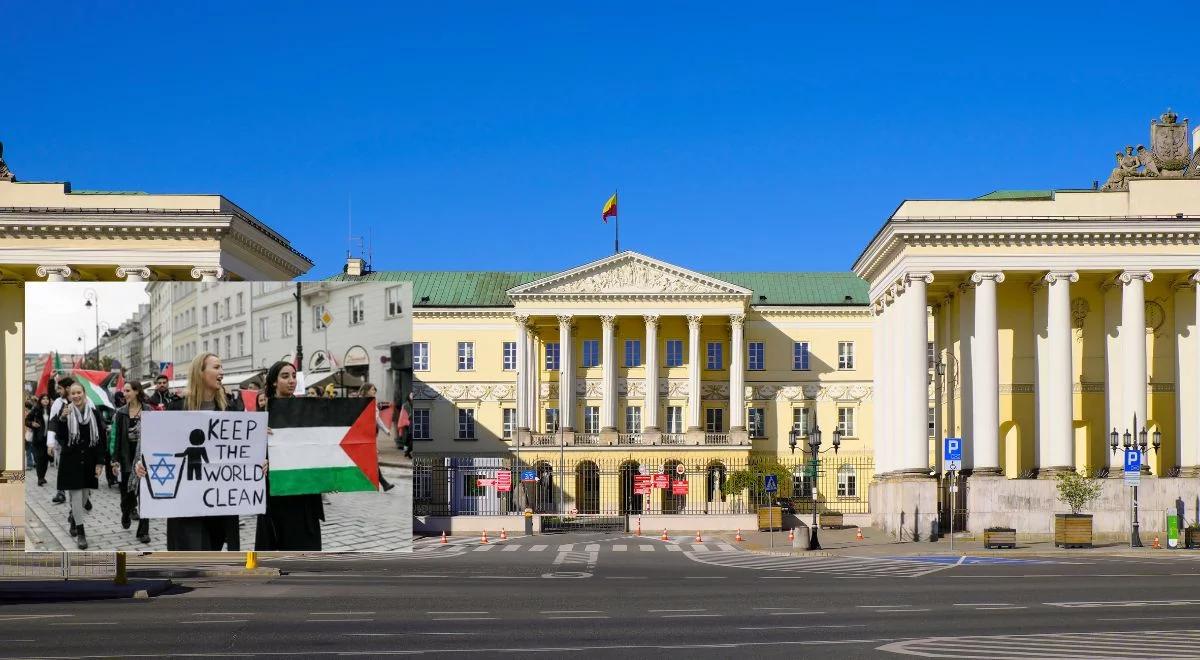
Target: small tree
736	485
1077	491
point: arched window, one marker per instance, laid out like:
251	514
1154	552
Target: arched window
716	479
587	487
847	484
631	503
543	493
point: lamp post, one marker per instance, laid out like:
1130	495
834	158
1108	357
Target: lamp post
1129	442
92	302
814	448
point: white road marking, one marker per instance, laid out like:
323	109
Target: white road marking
847	625
600	616
905	610
592	547
484	548
1149	618
457	612
657	611
699	547
792	613
537	548
688	616
645	547
467	618
566	548
619	548
570	612
511	548
674	548
727	548
221	621
338	613
332	620
1126	603
882	606
22	617
980	604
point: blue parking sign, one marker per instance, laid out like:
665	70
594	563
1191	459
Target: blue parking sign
953	449
1133	460
771	483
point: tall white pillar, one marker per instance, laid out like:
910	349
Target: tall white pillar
737	374
891	372
1133	347
1189	445
878	407
985	379
535	377
913	388
609	371
966	360
522	372
1056	432
1114	385
566	374
694	371
54	273
650	406
1187	376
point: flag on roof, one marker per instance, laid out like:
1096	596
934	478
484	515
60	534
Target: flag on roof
322	445
610	208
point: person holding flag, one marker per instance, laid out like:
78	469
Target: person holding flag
292	522
80	429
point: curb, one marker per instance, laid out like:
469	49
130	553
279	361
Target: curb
181	572
34	591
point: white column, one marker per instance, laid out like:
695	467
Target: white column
1056	432
985	379
1133	347
1114	386
208	273
522	372
133	273
566	376
879	354
535	378
1187	375
650	407
966	359
54	273
694	371
737	374
891	372
609	370
913	388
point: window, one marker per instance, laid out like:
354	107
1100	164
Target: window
358	310
205	345
510	356
847	485
241	343
714	356
591	419
930	355
510	422
758	423
423	485
392	298
286	320
845	355
591	353
318	322
241	304
754	351
229	345
846	422
714	420
802	485
800	356
552	353
800	421
466	356
217	345
633	419
228	309
552	420
204	316
674	419
932	420
421	356
262	329
466	423
471	487
674	352
420	424
633	352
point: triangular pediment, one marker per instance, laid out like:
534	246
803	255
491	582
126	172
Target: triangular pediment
629	273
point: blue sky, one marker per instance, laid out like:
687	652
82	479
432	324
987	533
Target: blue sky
488	135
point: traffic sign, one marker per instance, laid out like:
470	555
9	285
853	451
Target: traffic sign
528	476
1133	478
953	466
953	449
679	469
1133	460
771	484
679	488
661	481
503	481
642	483
484	483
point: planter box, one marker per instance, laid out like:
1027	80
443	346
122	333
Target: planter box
770	517
1191	538
999	538
1073	530
830	519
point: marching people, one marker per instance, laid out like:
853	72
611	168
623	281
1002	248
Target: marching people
38	423
79	432
402	427
126	452
292	522
204	392
161	397
56	407
368	391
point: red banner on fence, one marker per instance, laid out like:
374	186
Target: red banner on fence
679	488
642	484
503	481
662	481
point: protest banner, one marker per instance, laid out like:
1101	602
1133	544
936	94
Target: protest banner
322	445
203	464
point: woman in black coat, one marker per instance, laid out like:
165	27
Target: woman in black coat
127	452
79	430
38	422
292	522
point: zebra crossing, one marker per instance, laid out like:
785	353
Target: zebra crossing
1090	645
849	567
456	548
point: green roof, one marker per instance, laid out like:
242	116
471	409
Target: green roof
106	192
1019	195
488	288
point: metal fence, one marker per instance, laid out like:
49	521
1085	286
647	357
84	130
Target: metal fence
63	565
465	486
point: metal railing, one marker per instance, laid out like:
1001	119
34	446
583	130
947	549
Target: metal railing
587	439
569	485
629	438
716	438
543	440
673	439
65	565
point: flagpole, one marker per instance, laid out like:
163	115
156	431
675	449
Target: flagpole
617	225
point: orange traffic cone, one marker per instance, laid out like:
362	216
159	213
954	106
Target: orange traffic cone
791	535
484	539
639	529
739	536
444	540
858	536
503	534
698	539
664	536
1156	544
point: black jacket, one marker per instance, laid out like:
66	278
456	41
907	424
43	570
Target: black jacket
39	433
125	453
207	532
77	462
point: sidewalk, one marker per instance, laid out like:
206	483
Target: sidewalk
353	521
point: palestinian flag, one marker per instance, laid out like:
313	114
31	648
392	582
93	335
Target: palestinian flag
321	445
93	390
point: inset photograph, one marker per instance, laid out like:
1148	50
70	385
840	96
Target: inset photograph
232	416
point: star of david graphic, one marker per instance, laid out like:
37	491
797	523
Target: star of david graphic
158	469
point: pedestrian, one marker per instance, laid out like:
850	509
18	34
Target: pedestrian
30	402
312	391
56	408
368	391
291	522
80	433
126	452
204	392
38	423
162	396
402	426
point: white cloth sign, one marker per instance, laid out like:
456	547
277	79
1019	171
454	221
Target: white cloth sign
203	464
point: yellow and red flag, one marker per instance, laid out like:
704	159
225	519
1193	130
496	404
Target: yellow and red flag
610	208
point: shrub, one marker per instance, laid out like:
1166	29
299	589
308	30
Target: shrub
1077	491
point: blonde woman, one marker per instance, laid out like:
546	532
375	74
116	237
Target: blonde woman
80	433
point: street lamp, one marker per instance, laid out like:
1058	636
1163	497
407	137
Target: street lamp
814	448
92	302
1141	446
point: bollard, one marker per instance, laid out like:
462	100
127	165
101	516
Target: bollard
121	577
251	560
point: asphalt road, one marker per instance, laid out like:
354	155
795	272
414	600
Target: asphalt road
621	597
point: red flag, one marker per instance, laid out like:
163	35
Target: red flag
250	400
43	386
404	419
